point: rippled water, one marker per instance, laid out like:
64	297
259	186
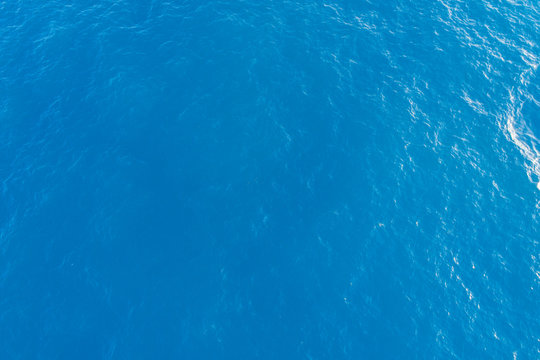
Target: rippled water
240	180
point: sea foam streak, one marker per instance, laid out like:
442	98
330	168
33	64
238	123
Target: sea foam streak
518	130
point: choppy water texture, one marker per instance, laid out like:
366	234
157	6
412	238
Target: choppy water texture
269	179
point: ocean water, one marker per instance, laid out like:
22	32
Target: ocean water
269	179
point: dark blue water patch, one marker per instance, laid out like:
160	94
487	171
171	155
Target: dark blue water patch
264	180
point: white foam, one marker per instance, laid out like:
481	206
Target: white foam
517	129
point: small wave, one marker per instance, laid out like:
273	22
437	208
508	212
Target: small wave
518	129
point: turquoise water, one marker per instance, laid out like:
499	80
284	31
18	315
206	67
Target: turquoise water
269	179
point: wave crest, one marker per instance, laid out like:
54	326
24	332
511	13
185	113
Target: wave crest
519	130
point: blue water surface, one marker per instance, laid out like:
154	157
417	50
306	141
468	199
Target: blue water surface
269	179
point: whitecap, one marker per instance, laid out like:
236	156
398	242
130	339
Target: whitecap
518	129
